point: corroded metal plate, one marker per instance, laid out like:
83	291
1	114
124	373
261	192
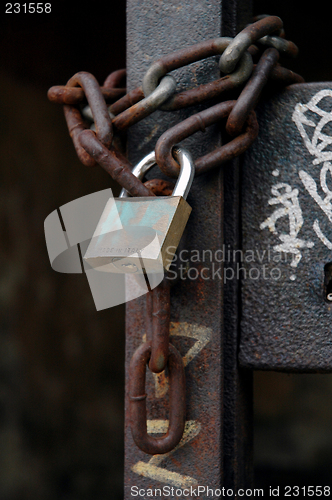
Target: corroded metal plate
287	234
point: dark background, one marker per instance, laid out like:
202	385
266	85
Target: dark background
61	362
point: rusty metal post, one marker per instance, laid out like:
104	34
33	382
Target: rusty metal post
238	382
215	450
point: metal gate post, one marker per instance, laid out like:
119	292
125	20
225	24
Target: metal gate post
238	382
215	450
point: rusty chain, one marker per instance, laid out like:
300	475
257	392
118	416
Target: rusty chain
158	91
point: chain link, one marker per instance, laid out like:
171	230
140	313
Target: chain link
245	38
137	401
249	96
199	122
187	56
63	94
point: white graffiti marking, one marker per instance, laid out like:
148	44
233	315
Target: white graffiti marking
321	236
152	469
320	146
319	142
287	197
201	334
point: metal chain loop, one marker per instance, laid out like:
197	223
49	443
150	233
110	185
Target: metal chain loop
63	94
158	311
75	122
284	46
277	40
114	79
97	104
187	56
249	96
245	38
133	107
114	162
146	106
137	401
285	76
126	101
199	122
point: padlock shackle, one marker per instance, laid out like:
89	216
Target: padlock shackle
186	175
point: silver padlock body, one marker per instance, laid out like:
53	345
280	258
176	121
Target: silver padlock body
136	235
287	233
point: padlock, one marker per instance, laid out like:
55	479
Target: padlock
141	235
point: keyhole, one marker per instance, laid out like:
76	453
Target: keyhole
328	281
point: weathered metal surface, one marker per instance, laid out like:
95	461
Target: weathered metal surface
238	383
195	319
286	219
196	302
